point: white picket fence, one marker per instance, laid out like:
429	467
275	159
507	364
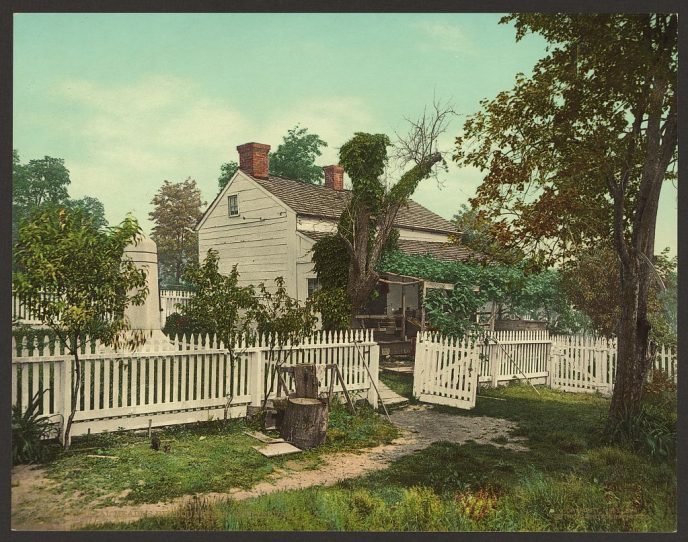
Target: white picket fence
569	363
179	381
588	364
170	300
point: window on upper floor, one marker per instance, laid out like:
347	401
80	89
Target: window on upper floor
233	205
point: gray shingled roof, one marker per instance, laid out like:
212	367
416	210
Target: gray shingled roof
445	252
314	200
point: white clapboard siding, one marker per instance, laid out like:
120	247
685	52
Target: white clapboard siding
177	381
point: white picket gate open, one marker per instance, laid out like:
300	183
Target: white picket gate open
446	371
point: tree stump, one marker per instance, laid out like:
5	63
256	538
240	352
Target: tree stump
305	380
305	422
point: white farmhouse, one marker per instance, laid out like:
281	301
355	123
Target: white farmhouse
268	225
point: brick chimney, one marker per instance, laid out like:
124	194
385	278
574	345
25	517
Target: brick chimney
253	159
334	177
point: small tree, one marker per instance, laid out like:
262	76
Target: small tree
219	305
282	321
177	209
78	282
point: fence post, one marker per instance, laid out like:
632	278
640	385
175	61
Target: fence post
65	398
255	375
549	351
493	349
374	366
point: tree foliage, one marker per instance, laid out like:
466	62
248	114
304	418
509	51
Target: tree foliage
227	171
295	156
92	208
77	281
478	233
577	153
177	209
593	285
219	304
43	183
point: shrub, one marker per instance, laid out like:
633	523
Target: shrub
29	429
176	324
652	430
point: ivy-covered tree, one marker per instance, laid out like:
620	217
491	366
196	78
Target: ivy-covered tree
177	209
78	282
295	156
578	152
367	223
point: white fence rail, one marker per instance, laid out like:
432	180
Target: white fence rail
569	363
175	382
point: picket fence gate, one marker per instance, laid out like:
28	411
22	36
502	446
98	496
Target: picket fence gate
177	381
447	370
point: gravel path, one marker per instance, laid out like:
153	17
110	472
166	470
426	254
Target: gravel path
35	507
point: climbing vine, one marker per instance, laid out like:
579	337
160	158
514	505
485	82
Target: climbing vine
515	291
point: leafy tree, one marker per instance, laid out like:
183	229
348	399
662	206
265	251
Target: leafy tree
284	323
481	235
35	185
177	209
577	153
592	283
83	282
295	156
39	182
92	207
227	171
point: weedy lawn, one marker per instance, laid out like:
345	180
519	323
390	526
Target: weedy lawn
204	457
570	480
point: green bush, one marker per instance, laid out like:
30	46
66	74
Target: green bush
29	431
652	430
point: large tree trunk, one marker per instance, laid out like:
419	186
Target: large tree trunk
634	354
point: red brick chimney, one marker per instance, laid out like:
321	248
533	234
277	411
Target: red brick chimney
334	177
253	159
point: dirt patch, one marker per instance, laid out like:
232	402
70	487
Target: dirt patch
34	507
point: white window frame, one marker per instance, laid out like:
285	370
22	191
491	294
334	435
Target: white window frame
229	204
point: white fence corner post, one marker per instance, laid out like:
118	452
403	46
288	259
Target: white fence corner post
374	366
65	401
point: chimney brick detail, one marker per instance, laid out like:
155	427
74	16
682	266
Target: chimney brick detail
253	159
334	177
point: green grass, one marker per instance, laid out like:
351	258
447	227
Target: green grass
204	457
568	481
399	383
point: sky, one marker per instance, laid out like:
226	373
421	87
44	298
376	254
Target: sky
131	100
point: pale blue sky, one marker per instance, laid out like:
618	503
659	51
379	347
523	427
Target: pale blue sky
129	100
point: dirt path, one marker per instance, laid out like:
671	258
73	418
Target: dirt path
35	507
